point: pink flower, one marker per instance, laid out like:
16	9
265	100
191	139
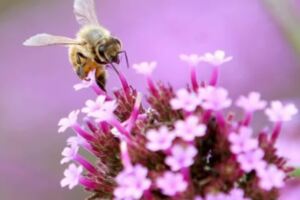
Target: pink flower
145	68
100	109
132	182
242	141
181	157
218	196
217	58
69	153
86	83
76	140
192	59
271	177
237	194
185	100
171	183
251	160
65	123
251	103
189	129
72	176
160	139
214	98
279	113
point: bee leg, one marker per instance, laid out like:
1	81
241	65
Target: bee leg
101	81
80	70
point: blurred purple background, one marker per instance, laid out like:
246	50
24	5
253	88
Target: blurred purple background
36	83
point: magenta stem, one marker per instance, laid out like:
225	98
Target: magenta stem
152	87
220	119
119	127
194	81
206	115
83	133
104	127
186	174
125	155
248	118
276	131
215	76
88	183
148	195
86	164
135	112
124	83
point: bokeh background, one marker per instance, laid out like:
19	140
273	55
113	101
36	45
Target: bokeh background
263	36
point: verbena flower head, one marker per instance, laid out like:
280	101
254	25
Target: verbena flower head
181	157
279	112
185	100
214	98
171	183
189	129
217	58
179	144
145	68
251	103
132	182
65	123
72	176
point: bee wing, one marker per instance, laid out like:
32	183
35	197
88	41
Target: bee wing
45	39
85	12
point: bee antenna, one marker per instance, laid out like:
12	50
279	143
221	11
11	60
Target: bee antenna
126	57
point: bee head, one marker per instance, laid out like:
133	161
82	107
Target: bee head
108	51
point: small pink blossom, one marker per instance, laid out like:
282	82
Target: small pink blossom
237	194
145	68
192	59
217	58
171	183
189	129
251	103
100	109
271	177
181	157
86	83
279	113
72	176
251	160
214	98
160	139
218	196
185	100
65	123
69	153
76	140
132	182
242	141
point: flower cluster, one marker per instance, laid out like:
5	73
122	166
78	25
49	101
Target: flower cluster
183	145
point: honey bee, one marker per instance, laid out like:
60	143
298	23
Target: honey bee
92	49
